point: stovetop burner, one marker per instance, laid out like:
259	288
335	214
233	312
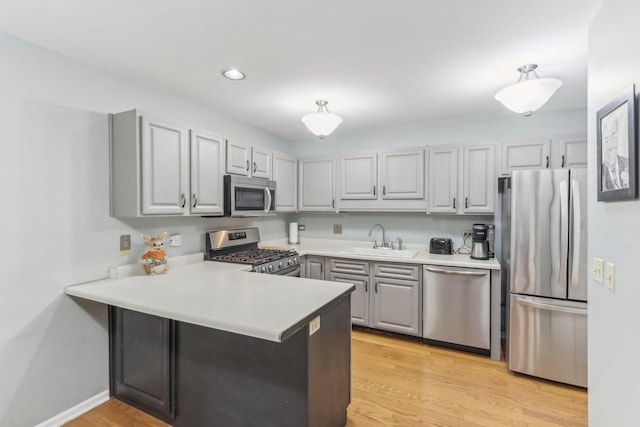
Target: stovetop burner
256	256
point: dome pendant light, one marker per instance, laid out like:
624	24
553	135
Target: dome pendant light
526	96
322	122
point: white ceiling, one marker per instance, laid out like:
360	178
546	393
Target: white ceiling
377	62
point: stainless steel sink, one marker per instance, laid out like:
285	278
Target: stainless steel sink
384	252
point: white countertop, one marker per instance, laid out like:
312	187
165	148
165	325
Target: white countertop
217	295
334	248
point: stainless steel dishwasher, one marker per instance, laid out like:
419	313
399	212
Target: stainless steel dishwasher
457	306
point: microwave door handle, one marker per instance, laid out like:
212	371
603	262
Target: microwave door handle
267	204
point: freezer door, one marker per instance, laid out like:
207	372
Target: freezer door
539	232
548	339
578	236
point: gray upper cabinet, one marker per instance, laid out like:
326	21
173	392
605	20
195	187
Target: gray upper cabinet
571	153
149	166
316	184
387	181
207	169
479	179
285	174
443	179
358	176
534	154
245	160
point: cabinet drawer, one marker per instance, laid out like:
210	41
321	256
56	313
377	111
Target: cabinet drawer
338	265
397	271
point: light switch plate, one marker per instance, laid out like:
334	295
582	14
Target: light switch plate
598	270
125	244
611	276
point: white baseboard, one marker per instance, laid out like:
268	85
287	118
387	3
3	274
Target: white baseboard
76	411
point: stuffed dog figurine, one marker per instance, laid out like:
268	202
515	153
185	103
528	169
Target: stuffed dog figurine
155	259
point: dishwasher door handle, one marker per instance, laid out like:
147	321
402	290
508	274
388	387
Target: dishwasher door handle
456	272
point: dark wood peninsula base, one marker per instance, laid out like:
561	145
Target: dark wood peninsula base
189	375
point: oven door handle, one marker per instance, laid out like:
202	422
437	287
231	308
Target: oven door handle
267	204
294	273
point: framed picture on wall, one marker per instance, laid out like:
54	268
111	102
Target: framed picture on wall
617	148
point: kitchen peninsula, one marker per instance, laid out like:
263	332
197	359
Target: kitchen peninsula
209	342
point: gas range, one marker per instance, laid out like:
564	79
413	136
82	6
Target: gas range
240	245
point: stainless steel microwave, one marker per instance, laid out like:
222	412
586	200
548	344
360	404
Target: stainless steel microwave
246	196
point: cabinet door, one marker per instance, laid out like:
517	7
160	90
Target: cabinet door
314	268
443	180
316	182
402	175
525	155
261	163
207	169
396	305
165	165
479	178
572	152
238	158
285	174
359	297
142	359
358	177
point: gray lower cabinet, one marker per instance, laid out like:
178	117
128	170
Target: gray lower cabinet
388	295
142	368
314	267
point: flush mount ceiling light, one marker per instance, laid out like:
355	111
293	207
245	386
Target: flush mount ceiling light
233	74
322	122
526	96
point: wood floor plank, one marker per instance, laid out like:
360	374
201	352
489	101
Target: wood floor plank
399	382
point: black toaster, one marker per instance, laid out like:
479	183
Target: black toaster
441	246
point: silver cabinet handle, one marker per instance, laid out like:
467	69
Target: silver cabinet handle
366	286
376	287
454	203
457	272
466	202
374	190
535	303
183	201
195	200
333	203
248	166
547	162
562	165
384	190
255	167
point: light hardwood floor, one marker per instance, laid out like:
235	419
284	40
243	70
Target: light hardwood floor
396	382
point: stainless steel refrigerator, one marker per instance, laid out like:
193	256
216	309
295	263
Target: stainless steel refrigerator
544	224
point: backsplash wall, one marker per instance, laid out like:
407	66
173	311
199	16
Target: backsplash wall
415	228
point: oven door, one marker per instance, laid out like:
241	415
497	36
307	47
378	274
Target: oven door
245	196
293	271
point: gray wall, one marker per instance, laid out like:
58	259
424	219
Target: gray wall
56	228
614	232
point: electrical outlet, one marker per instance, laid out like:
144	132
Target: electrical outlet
466	234
302	227
175	240
125	244
337	228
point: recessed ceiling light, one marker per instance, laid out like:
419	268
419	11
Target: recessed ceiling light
233	74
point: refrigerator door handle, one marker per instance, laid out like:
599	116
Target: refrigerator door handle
541	304
575	233
564	232
456	272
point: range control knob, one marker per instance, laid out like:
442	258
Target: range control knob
280	264
263	269
295	260
290	262
270	268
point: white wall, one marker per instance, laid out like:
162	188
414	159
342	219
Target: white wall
614	232
56	228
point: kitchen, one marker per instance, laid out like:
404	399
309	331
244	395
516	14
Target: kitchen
55	168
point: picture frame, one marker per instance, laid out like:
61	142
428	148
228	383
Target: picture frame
617	148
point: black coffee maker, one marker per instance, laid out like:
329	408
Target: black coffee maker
480	245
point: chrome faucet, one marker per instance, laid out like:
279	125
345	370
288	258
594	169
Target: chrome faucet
375	244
